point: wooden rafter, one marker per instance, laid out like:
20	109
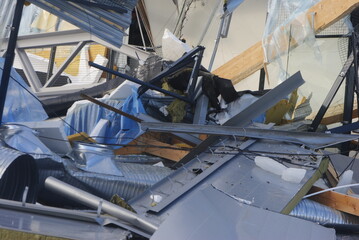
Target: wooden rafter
325	13
338	201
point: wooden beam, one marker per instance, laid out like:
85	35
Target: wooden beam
80	137
338	201
337	116
147	144
325	13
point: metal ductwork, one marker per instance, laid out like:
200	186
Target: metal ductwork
17	171
326	216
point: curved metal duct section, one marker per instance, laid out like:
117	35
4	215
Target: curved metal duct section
316	212
17	171
136	178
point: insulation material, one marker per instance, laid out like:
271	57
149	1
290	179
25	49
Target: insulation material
287	25
21	105
95	73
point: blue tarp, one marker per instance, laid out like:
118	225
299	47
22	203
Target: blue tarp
21	105
121	130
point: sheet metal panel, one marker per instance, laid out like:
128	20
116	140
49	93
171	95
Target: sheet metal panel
105	24
56	226
210	214
245	117
235	174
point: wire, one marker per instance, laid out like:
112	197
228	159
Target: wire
330	189
45	106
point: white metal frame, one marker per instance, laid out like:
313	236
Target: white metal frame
71	37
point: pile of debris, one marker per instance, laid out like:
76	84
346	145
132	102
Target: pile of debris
181	154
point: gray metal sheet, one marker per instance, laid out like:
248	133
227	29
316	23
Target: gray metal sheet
234	173
57	226
105	24
312	140
209	214
245	117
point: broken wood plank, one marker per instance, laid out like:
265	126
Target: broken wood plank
326	12
147	144
338	201
332	175
80	137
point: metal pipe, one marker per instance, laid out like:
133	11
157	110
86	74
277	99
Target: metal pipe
135	80
93	201
140	27
10	55
312	140
331	189
216	44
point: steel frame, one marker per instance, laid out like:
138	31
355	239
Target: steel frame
70	37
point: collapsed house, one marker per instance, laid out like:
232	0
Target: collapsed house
176	150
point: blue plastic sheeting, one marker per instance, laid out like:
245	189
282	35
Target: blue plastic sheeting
21	105
233	4
121	130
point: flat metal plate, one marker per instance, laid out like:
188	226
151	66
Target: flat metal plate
234	173
57	227
210	214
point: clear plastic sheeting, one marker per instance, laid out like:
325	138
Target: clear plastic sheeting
121	130
20	104
287	24
7	8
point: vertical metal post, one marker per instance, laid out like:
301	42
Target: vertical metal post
216	44
262	77
10	55
351	84
348	106
50	68
110	63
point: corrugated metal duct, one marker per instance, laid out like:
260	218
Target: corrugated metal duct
136	179
105	19
324	215
17	171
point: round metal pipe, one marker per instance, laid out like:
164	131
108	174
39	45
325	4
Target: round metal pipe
93	202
